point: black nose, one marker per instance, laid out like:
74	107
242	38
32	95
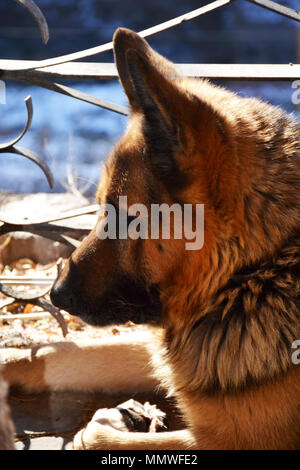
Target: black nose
61	296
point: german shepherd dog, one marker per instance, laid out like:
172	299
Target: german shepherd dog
226	315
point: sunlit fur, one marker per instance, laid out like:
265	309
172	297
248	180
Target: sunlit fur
230	311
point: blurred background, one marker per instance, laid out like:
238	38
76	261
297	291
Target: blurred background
75	137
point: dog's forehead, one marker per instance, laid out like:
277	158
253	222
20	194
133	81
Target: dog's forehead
125	171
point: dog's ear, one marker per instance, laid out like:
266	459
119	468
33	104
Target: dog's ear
124	40
149	82
174	119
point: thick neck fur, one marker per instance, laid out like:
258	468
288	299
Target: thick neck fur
245	334
241	297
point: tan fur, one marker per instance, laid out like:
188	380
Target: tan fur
229	312
83	365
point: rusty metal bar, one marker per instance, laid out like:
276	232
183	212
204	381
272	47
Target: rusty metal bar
277	8
59	228
279	72
79	95
69	214
11	148
105	71
145	33
36	13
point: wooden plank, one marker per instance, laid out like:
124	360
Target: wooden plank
86	70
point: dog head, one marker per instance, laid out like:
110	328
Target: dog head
187	143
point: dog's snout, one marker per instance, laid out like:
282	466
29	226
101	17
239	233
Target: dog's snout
61	296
